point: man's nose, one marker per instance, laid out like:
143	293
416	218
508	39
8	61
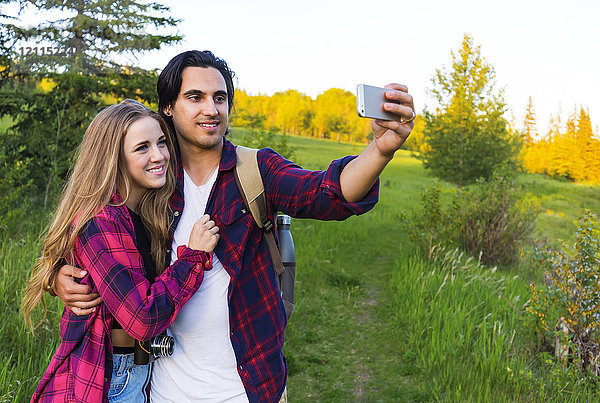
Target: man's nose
209	108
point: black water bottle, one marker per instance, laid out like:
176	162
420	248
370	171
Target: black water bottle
288	257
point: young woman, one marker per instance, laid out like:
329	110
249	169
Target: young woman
118	190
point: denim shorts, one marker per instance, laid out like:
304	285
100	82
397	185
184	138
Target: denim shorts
129	381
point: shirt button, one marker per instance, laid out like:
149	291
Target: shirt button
176	214
241	367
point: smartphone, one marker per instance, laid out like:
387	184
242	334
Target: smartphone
369	102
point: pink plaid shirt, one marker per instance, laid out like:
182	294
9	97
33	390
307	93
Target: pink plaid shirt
81	368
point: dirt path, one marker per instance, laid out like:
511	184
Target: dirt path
342	345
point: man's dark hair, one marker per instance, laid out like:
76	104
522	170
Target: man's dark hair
169	81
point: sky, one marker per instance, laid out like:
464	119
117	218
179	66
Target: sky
547	50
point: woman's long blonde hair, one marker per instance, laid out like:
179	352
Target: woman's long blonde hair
98	169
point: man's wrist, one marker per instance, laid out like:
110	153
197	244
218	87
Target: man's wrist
383	157
50	287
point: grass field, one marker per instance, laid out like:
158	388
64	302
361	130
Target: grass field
562	205
373	321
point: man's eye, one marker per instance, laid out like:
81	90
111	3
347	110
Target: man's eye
221	99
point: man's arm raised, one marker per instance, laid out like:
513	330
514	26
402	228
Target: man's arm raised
360	174
76	297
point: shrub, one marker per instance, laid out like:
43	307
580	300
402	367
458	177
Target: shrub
489	219
14	189
493	219
566	309
425	227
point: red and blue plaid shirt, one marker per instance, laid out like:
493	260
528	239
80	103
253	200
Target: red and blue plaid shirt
256	312
81	368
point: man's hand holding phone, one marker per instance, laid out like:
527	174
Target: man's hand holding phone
392	111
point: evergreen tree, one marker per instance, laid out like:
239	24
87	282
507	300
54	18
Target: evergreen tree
571	153
585	158
467	135
84	57
553	135
92	35
594	164
561	150
529	125
14	183
6	36
532	150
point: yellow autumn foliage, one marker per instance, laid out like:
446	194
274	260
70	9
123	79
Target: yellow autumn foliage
572	152
331	115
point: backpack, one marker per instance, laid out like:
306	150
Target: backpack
250	184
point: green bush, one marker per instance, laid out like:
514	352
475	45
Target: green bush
14	193
489	220
566	309
425	227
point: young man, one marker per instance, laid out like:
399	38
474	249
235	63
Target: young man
229	336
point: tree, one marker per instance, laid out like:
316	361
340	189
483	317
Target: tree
14	174
92	35
335	117
467	135
331	115
586	152
249	111
292	111
571	152
529	125
416	142
6	36
84	56
531	156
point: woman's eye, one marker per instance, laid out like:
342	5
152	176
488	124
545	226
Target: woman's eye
141	148
162	142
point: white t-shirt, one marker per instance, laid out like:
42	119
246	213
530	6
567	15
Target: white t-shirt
203	365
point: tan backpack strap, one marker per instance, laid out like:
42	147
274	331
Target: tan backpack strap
249	181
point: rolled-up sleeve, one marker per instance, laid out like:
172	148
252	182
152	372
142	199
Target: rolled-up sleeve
310	194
